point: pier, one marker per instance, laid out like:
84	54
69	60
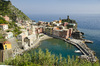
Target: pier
80	44
87	52
88	41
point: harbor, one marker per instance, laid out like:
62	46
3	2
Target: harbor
49	33
87	53
67	31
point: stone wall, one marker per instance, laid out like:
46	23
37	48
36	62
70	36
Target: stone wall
1	57
5	54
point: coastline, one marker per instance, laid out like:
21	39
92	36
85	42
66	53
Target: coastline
36	44
86	22
87	53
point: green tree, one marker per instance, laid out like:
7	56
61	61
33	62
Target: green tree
47	59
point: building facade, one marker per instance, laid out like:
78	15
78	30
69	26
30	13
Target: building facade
8	35
4	27
7	45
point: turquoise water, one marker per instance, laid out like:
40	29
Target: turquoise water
57	46
89	24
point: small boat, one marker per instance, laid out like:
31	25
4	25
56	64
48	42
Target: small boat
77	51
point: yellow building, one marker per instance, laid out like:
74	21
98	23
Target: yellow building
7	45
60	21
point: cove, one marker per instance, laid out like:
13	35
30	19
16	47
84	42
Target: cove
57	46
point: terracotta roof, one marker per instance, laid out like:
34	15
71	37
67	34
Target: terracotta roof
57	29
6	42
3	24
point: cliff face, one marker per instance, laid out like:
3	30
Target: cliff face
6	8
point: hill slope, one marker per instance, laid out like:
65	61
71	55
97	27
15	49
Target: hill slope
6	8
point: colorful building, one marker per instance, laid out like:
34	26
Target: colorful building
63	33
21	36
39	30
56	31
60	21
30	32
4	26
6	18
47	30
70	32
65	24
6	45
8	35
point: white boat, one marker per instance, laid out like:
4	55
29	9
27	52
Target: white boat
77	51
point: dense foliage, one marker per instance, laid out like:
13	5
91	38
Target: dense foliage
15	29
12	27
2	21
6	8
47	59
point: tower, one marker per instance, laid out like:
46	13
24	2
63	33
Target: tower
60	21
59	18
68	17
68	20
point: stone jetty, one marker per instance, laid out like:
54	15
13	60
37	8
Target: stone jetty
87	52
80	44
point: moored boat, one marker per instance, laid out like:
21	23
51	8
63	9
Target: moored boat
77	51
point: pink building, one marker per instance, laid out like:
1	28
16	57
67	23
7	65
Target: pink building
39	30
65	23
36	30
65	34
56	31
6	18
61	33
70	32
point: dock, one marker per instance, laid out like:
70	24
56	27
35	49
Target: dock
88	41
87	52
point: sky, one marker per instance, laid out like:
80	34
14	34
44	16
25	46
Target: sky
58	6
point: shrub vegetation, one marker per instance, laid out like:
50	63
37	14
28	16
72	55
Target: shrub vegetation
41	58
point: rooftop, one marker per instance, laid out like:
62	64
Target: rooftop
3	24
6	42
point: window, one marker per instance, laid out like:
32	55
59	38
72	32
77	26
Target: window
5	45
6	48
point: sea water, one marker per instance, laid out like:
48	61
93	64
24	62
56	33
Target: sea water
88	23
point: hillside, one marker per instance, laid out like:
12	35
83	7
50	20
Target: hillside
2	21
6	8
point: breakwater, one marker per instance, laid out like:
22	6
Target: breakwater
87	52
87	23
